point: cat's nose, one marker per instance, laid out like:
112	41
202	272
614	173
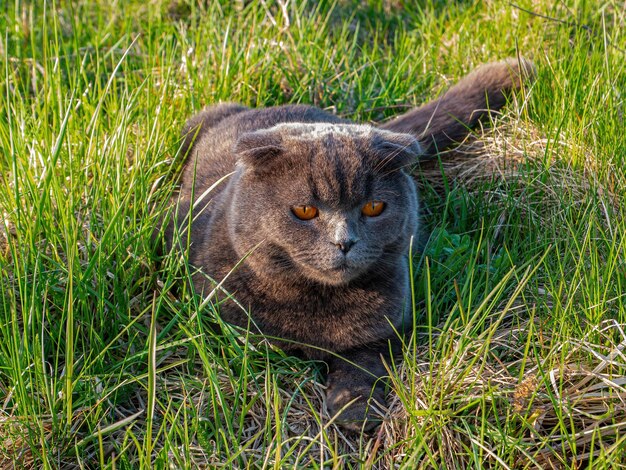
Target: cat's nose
345	245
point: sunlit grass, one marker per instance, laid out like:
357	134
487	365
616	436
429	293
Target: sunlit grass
107	360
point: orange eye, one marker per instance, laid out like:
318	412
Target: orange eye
305	212
373	208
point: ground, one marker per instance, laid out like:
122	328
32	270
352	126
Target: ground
108	361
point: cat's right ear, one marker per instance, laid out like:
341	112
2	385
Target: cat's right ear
259	151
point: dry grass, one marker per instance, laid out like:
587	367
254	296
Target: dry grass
513	159
14	446
584	387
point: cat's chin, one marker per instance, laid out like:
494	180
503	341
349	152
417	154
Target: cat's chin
335	277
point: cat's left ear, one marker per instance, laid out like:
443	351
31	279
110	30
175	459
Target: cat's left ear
259	150
395	151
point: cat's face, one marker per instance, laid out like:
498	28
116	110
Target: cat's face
323	202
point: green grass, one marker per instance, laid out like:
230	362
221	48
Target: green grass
108	361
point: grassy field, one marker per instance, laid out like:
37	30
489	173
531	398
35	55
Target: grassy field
108	361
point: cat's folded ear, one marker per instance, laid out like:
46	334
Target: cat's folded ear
259	151
395	151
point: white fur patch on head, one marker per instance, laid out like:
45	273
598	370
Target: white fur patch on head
317	130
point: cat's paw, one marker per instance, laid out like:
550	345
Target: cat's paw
357	409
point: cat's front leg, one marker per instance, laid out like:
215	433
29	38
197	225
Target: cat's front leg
356	385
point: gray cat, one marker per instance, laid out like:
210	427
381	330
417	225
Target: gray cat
322	212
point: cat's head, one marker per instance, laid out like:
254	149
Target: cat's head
323	202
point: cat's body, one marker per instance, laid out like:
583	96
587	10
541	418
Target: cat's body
324	267
285	304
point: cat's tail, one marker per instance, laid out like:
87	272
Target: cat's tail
447	120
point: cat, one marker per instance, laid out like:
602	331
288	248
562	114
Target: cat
306	219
